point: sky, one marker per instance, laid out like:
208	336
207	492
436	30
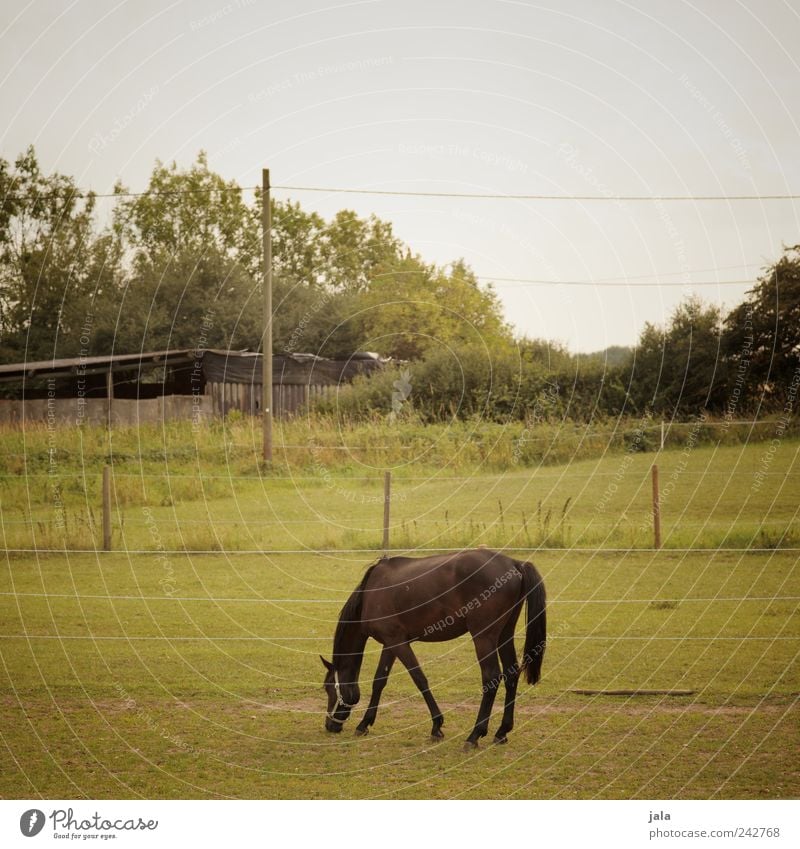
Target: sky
570	98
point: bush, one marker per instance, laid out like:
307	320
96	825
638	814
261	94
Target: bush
503	384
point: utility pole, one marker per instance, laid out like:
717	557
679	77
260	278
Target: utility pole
266	377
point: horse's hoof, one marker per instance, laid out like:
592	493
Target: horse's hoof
436	736
469	746
500	741
362	732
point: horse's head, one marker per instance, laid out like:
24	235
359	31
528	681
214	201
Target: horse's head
342	697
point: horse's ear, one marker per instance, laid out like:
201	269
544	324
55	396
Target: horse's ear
327	664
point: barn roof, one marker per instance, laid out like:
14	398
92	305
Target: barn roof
143	361
230	367
217	365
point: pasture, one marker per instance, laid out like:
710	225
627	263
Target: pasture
169	668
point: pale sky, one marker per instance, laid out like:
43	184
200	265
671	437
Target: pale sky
566	98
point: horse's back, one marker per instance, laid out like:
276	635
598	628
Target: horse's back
459	566
439	597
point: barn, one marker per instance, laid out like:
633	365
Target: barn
191	384
233	380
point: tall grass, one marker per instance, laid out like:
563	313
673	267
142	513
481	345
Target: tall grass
234	445
463	484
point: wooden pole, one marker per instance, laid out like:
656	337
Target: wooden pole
266	377
109	396
662	434
106	508
656	510
387	496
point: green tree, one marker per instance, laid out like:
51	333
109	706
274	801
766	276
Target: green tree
192	222
553	357
357	251
48	256
89	315
181	300
321	270
298	244
193	210
680	369
762	335
414	307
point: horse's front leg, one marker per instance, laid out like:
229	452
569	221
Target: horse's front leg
385	664
407	657
486	649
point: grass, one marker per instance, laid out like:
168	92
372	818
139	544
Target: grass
718	496
214	691
174	674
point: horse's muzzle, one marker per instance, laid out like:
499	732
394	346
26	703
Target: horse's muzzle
333	727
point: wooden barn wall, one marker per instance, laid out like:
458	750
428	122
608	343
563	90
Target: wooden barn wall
219	399
94	411
287	398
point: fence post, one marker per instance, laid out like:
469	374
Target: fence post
109	398
387	494
656	509
662	434
106	508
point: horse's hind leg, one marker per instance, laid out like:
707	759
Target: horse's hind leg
486	649
407	657
508	657
381	677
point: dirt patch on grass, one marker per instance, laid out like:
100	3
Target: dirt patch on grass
628	706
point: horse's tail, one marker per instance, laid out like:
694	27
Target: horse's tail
536	626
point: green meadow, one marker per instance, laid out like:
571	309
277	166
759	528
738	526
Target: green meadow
184	663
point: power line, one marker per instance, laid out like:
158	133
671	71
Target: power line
228	552
688	271
607	284
338	601
611	282
627	279
181	638
78	193
490	196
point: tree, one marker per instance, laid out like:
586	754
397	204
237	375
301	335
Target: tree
414	307
182	300
357	251
680	369
298	244
48	256
190	222
762	335
192	210
320	272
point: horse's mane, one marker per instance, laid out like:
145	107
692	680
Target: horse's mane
351	612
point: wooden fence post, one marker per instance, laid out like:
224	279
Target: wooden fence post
106	508
109	398
656	510
387	495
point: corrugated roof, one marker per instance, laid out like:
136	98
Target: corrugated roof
233	366
89	365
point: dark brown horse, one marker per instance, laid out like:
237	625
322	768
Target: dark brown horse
402	600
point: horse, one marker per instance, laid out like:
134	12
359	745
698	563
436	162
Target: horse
403	600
